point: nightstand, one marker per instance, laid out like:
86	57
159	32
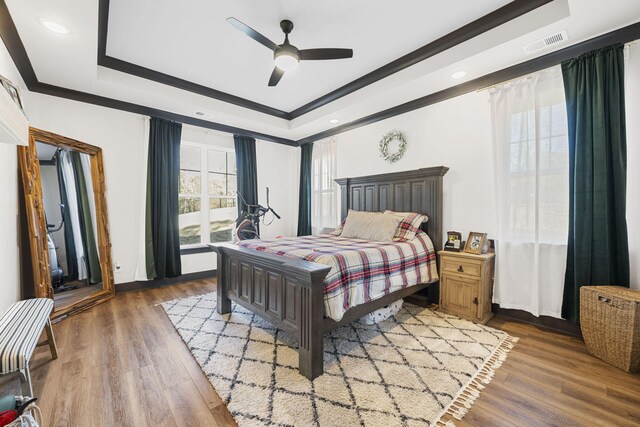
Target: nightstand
466	285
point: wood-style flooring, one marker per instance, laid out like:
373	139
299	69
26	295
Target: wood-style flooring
123	364
72	296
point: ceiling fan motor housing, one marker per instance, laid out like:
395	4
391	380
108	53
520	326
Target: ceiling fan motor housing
286	26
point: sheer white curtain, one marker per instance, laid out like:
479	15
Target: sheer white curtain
532	192
86	170
324	197
72	199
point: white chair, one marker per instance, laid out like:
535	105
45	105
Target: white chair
21	325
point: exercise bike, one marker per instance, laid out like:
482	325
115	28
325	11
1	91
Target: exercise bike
249	219
55	271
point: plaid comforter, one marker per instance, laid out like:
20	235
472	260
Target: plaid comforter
361	271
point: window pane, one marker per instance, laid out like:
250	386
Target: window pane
231	185
553	208
190	182
217	184
224	202
231	162
545	148
559	156
189	220
559	119
222	216
190	157
544	116
217	161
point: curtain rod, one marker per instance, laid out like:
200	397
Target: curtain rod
626	46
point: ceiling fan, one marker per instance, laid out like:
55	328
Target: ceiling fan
286	55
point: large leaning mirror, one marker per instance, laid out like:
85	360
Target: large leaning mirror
66	216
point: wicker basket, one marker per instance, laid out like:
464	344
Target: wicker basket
610	321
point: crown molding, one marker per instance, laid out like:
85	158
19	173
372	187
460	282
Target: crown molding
465	33
11	38
17	51
621	35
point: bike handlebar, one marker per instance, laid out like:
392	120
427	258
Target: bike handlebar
258	210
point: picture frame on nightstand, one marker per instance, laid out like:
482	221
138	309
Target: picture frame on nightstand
454	242
475	243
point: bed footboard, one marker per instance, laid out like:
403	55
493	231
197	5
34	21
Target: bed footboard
286	292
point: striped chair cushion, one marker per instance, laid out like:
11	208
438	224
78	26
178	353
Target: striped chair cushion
20	327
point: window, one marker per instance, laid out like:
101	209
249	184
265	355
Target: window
207	199
538	173
531	167
324	206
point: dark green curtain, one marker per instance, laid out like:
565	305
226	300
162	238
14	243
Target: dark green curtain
87	228
69	242
304	204
598	251
163	182
247	170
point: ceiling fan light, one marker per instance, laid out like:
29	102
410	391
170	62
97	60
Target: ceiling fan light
54	26
286	61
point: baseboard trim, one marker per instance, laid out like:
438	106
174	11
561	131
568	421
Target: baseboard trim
547	322
157	283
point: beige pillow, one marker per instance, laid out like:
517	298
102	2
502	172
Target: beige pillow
373	226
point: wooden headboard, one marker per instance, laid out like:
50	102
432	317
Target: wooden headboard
418	190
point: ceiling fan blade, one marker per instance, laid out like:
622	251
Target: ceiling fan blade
275	76
314	54
252	33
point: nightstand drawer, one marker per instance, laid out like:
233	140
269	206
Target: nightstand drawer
461	266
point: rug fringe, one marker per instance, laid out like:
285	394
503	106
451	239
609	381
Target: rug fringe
466	397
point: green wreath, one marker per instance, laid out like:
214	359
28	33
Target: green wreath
384	146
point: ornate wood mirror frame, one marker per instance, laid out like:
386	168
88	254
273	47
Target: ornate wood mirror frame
37	226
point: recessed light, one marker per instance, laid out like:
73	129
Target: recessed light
458	74
203	114
333	121
54	26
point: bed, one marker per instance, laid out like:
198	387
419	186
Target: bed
279	280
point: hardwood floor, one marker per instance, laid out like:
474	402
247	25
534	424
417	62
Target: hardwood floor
66	298
122	363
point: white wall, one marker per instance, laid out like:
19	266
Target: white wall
121	135
9	259
457	133
454	133
9	229
277	169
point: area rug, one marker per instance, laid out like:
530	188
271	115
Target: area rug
409	370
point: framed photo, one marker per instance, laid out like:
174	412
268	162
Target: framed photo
475	242
12	90
454	241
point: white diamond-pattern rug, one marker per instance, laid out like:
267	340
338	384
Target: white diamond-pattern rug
409	370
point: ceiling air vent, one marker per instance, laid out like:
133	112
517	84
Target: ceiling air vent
547	41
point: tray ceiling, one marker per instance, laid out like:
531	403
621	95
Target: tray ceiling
195	43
